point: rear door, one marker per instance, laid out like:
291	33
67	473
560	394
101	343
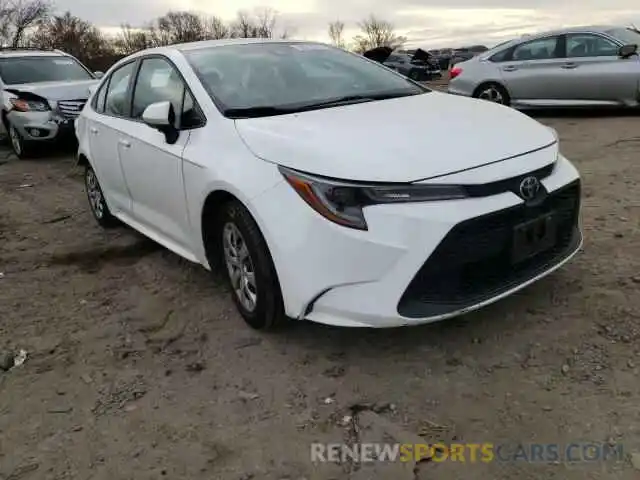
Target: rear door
531	69
106	121
595	72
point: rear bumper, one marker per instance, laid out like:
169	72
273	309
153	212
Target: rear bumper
454	90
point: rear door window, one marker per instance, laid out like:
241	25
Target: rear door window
590	45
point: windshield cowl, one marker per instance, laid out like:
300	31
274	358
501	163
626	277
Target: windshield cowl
267	110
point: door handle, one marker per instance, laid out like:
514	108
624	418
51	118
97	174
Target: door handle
510	68
124	143
569	65
93	130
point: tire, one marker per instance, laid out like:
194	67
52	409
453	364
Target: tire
97	203
21	147
493	92
246	256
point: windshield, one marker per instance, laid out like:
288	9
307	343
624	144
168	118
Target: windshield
18	70
626	35
274	78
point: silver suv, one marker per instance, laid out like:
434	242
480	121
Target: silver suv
41	93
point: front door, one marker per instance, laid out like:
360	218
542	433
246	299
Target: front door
153	166
595	72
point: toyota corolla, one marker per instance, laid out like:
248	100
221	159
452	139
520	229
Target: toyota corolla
309	175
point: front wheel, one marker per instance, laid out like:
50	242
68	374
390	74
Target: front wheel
98	204
20	146
251	273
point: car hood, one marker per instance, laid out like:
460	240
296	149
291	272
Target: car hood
398	140
77	90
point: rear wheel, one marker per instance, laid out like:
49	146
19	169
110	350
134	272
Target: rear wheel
250	270
493	92
98	204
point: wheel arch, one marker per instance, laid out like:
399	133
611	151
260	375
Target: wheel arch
212	208
82	160
5	121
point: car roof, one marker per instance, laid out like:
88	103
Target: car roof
558	31
190	46
581	28
26	52
204	44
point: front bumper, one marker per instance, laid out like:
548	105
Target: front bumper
418	262
41	126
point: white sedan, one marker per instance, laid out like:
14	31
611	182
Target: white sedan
310	175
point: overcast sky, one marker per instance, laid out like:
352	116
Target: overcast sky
429	23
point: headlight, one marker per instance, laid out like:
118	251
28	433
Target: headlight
29	105
342	202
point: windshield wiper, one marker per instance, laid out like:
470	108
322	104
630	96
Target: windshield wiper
258	111
351	99
269	111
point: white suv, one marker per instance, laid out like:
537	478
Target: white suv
310	174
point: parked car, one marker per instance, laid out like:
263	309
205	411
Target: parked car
582	66
327	200
461	55
419	69
418	65
41	93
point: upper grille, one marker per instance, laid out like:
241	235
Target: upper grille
71	108
473	261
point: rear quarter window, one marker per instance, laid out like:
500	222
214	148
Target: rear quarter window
501	56
99	98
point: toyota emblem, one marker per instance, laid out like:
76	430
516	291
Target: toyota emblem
529	188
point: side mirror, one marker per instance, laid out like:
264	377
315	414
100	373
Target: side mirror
161	116
628	50
98	74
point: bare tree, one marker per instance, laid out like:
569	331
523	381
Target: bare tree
262	23
336	31
215	28
244	26
266	22
72	35
131	40
179	27
376	33
23	15
5	17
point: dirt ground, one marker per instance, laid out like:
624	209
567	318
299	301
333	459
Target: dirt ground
139	367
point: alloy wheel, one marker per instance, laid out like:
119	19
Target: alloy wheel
16	141
492	94
95	194
240	266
